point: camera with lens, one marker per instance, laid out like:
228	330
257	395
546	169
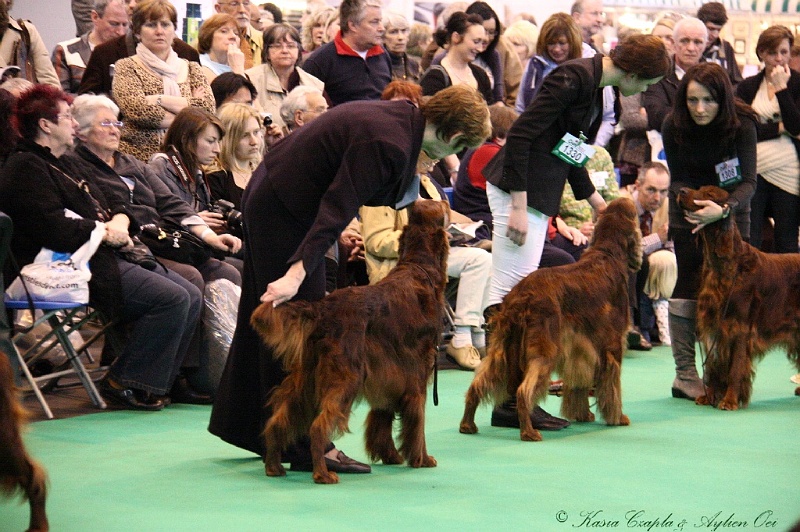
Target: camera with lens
231	216
267	120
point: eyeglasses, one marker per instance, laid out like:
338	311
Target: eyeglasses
283	46
68	116
111	123
236	4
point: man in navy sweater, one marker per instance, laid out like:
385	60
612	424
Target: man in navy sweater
354	66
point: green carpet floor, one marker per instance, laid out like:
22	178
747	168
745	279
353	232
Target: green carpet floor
689	467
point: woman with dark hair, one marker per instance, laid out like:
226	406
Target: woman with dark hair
154	85
56	206
279	73
708	134
463	37
498	60
774	94
192	142
233	88
559	41
546	147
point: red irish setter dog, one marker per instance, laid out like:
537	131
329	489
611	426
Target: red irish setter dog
378	342
17	470
572	319
749	302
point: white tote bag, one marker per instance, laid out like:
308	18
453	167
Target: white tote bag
59	277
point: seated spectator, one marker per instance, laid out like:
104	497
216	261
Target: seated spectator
109	21
578	213
395	40
21	45
303	104
218	45
279	73
159	307
241	149
381	228
16	86
251	41
147	200
270	14
652	285
522	36
99	74
232	88
154	85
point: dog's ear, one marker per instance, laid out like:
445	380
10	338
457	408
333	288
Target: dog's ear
715	194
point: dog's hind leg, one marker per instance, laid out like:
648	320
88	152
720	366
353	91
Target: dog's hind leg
609	390
530	390
412	430
575	404
379	441
485	377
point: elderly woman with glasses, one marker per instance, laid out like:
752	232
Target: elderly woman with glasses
154	85
279	73
158	308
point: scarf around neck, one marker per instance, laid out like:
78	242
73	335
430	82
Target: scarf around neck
169	70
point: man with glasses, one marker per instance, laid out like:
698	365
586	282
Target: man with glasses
301	106
690	36
252	40
714	16
354	66
99	71
109	20
652	284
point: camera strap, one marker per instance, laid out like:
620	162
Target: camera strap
183	174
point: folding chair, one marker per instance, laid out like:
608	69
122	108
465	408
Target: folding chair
63	319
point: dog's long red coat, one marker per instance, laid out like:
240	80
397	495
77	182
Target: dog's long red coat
749	302
571	319
18	472
377	342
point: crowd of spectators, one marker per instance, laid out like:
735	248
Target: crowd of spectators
165	131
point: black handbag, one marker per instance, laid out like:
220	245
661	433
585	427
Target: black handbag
175	243
139	254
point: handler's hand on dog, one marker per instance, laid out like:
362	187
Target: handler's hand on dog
285	288
710	213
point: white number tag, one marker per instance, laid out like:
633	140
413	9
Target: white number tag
729	172
573	150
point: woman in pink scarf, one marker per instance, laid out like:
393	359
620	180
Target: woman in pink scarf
154	85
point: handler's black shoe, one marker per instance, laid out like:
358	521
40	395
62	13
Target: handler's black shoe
505	415
341	463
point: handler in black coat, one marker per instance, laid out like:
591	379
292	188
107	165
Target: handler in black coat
301	197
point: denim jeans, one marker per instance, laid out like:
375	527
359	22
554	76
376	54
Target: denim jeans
161	309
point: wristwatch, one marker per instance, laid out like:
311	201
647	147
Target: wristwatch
158	100
726	210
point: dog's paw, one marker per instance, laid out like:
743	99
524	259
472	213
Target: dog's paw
276	470
728	405
469	427
624	420
393	458
702	400
325	477
586	417
530	435
422	461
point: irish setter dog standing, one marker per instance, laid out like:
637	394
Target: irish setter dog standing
18	471
749	302
378	342
572	319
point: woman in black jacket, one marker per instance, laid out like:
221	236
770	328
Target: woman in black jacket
37	188
774	94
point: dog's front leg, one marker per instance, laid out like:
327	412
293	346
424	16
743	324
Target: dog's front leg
36	491
412	431
528	389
